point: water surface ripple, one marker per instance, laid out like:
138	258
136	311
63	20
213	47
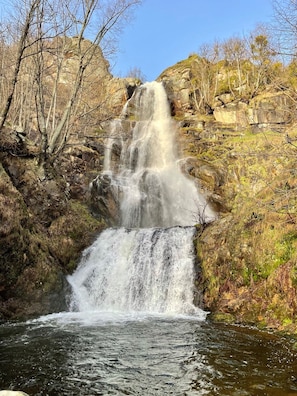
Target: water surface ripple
62	355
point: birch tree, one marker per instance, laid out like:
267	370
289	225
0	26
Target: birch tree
262	57
204	81
23	28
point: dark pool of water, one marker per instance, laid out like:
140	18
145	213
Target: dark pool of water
65	355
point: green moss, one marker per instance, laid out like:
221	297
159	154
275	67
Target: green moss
262	324
223	317
287	322
278	254
71	233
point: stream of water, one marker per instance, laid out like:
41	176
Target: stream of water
135	324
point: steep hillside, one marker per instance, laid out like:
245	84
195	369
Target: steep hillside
244	154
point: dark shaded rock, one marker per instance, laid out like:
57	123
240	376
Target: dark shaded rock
105	199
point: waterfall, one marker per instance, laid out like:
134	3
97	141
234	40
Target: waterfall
154	191
147	264
137	270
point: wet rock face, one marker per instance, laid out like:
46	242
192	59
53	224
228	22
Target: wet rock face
105	199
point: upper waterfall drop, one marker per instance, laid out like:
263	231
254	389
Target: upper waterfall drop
153	190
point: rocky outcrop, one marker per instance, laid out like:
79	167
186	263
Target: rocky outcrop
119	90
269	110
105	200
177	82
232	113
72	49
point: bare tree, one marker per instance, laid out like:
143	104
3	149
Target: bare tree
204	81
83	15
235	54
136	73
285	26
29	11
262	57
59	38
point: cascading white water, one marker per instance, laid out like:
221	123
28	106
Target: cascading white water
130	270
148	264
154	191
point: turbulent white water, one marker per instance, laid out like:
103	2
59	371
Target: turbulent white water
137	270
147	265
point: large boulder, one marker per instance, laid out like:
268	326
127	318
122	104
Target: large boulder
232	113
105	199
119	90
270	109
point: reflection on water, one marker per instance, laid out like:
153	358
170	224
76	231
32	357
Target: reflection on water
61	355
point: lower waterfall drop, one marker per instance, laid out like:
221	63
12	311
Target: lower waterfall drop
147	264
144	270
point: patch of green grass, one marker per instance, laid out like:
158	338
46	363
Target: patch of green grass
278	254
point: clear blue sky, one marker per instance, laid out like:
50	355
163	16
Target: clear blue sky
164	32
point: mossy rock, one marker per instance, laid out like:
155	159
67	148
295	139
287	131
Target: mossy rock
222	317
71	233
